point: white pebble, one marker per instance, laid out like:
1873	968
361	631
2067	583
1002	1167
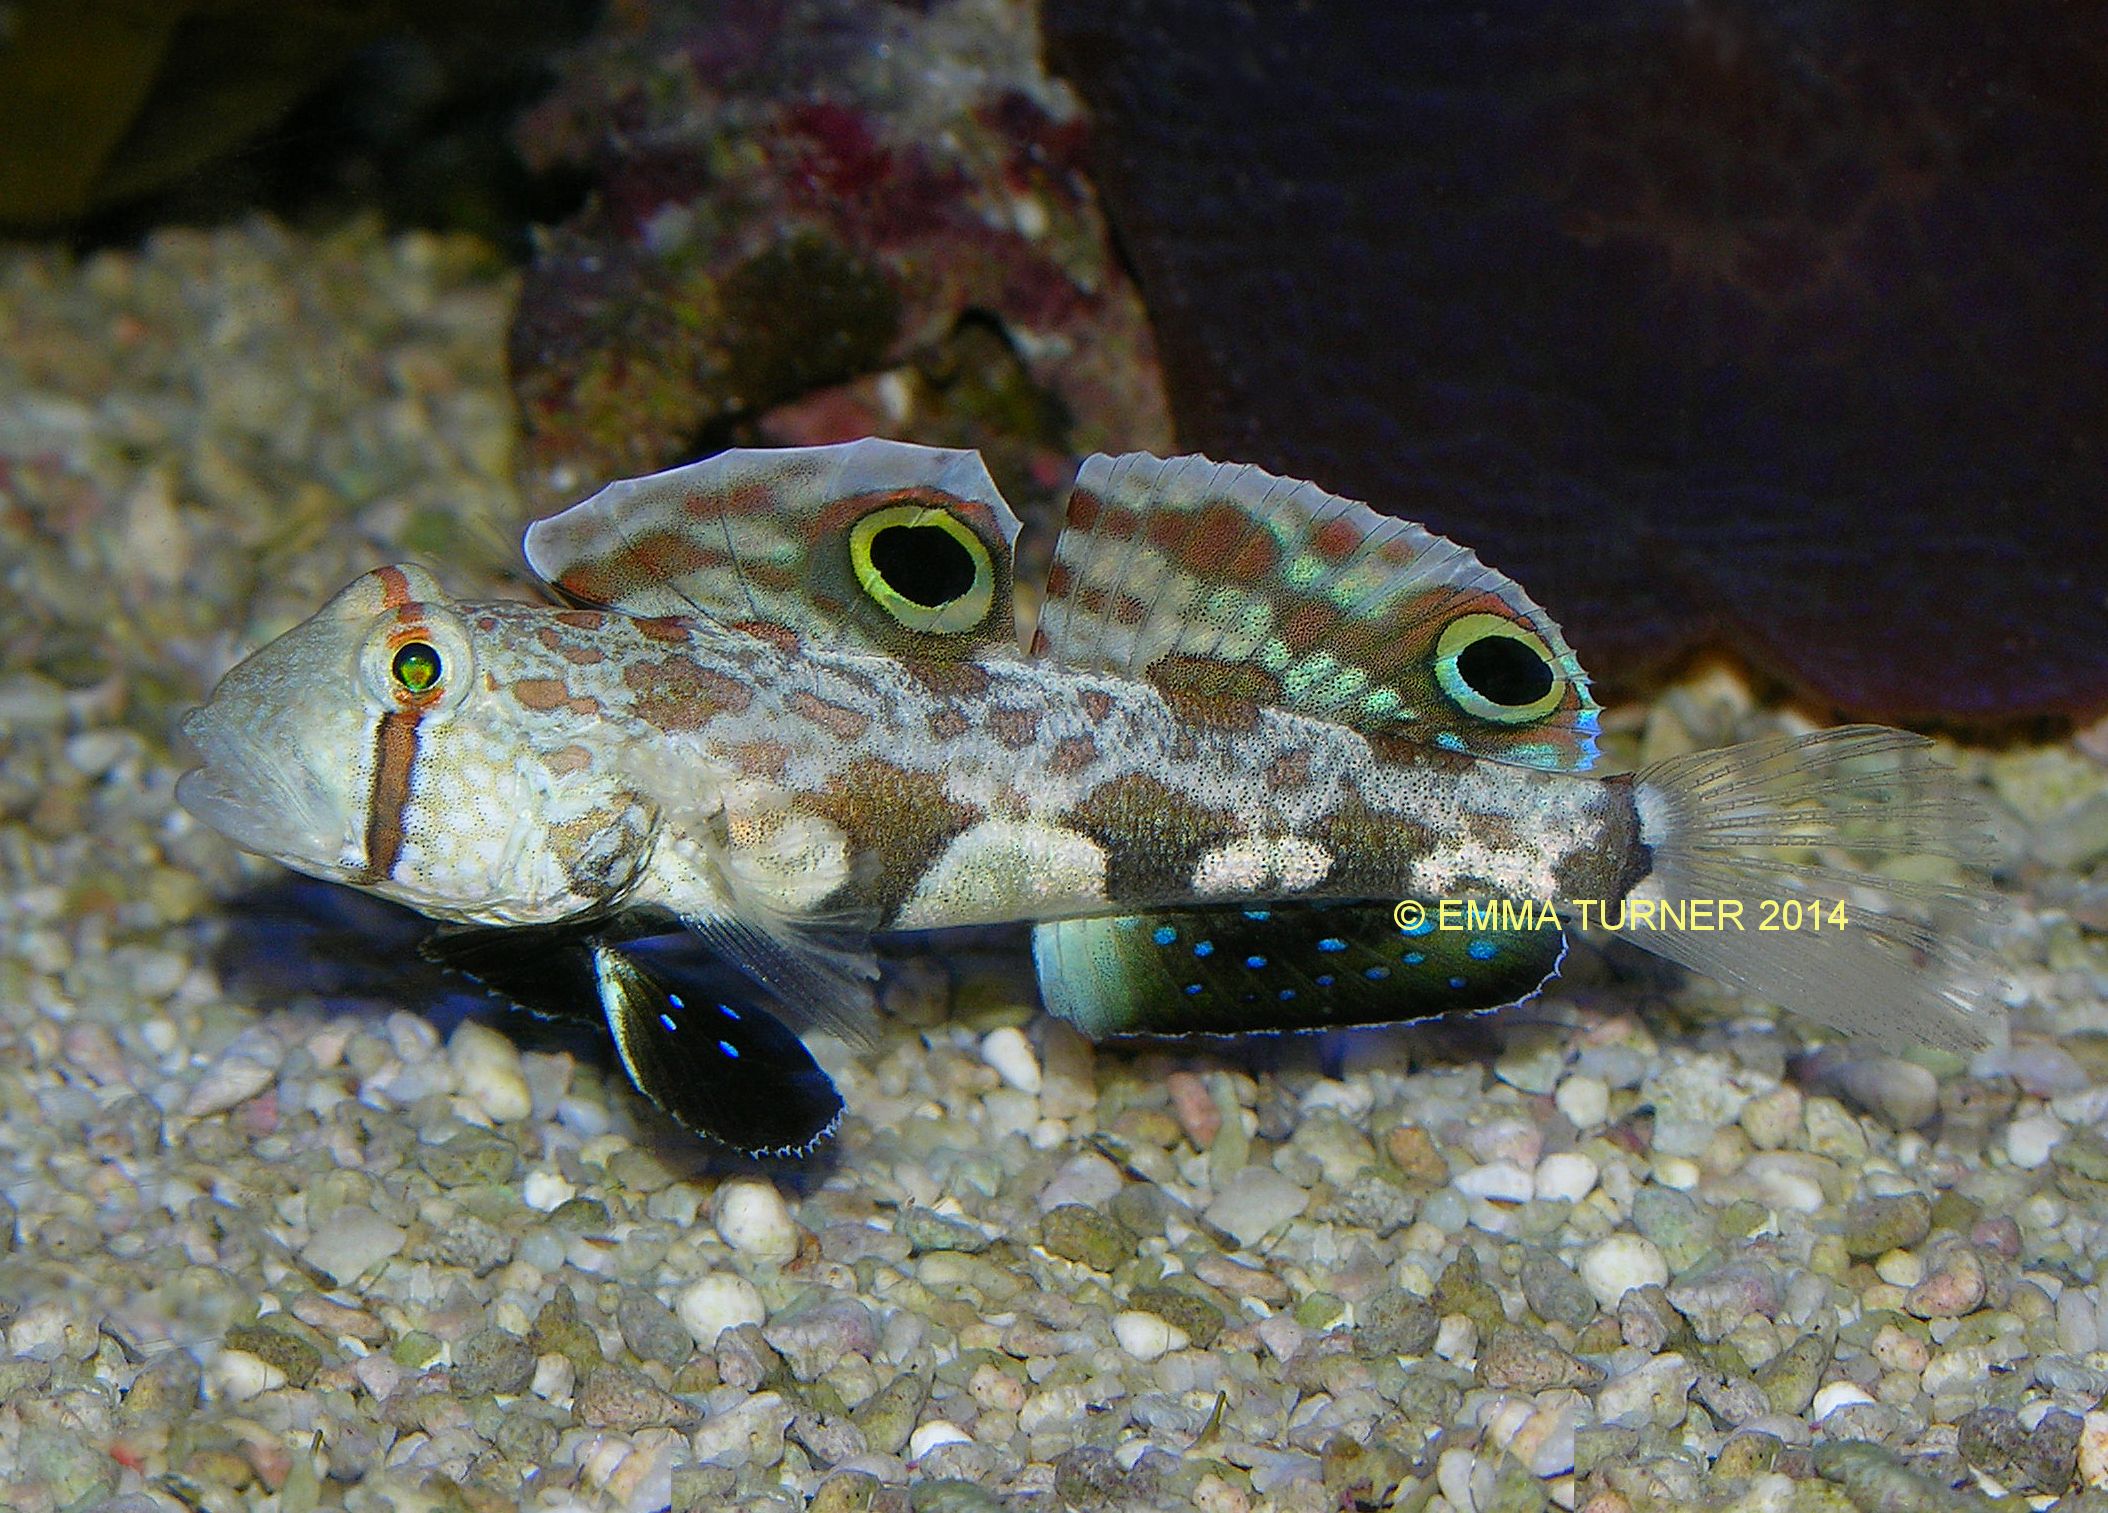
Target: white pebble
1456	1337
555	1376
1614	1266
1501	1181
235	1376
227	1083
2029	1141
487	1066
1678	1172
1566	1174
1835	1395
718	1302
1145	1336
352	1241
1010	1053
1900	1268
1584	1100
546	1190
929	1436
753	1219
2093	1448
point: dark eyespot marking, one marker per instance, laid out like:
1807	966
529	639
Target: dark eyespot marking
924	564
1506	671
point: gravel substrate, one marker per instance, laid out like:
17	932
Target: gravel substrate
1636	1247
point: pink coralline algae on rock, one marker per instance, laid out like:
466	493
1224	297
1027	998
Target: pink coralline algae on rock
819	219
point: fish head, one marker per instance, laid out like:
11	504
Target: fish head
369	746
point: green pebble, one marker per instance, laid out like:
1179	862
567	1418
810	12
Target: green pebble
471	1159
415	1349
1600	1445
1461	1290
1319	1310
292	1355
1514	1489
1674	1221
492	1360
1789	1379
952	1494
581	1216
925	1230
888	1416
845	1492
1956	1213
1077	1233
1875	1226
1200	1319
1750	1453
559	1330
1558	1296
1396	1323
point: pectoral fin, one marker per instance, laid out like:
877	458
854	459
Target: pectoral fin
724	1068
1294	967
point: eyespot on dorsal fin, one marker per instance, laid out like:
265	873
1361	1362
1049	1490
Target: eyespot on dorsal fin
868	545
1220	580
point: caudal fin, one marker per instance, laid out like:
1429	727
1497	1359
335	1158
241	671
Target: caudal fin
1806	833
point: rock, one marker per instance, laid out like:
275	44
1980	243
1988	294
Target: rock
887	1417
1584	1100
751	1217
1955	1286
1010	1053
1525	1360
1196	1318
1614	1266
814	1335
487	1067
1789	1379
1088	1179
1873	1226
1716	1301
352	1241
1396	1323
1086	1236
472	1158
1254	1202
1566	1175
240	1072
1146	1336
653	1331
1554	1293
1655	1393
717	1302
625	1400
492	1360
926	1230
2030	1140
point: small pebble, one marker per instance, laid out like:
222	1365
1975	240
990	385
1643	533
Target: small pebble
1499	1181
751	1217
1010	1053
717	1302
1255	1201
352	1241
1832	1396
1584	1100
247	1067
487	1066
2030	1140
1614	1266
1567	1175
1145	1336
928	1436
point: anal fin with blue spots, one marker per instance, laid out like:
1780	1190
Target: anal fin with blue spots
1231	971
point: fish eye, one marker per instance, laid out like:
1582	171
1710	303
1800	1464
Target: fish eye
1498	670
417	667
924	568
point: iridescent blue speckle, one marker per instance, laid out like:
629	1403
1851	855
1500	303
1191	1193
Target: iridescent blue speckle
1332	943
1204	948
667	1019
1413	958
1288	995
1377	974
1456	982
1193	990
1324	979
1255	962
1482	950
1259	914
724	1008
675	1000
1421	927
729	1049
1165	935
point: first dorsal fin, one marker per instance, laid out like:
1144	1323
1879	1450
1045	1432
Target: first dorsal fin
869	545
1220	580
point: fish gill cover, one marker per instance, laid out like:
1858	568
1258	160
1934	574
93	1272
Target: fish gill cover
1782	327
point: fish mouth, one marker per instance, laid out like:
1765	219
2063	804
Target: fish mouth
263	798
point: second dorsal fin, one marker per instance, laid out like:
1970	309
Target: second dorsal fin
869	545
1220	580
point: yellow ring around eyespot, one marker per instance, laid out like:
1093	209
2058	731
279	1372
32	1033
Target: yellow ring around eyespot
962	612
1466	632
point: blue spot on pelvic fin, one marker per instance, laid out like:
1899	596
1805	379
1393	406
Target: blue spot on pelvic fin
1456	982
1482	950
1204	948
1413	958
667	1019
1255	962
1332	943
729	1049
675	1000
728	1011
1165	935
1377	974
1324	980
1193	990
